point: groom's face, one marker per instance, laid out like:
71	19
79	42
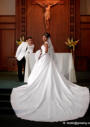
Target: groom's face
30	41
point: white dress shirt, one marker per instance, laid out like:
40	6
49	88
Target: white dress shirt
21	51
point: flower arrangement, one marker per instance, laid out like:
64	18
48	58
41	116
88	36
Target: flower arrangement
71	44
18	42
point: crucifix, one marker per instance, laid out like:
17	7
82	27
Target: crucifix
47	4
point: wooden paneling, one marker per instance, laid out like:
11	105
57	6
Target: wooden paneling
85	19
65	22
20	18
7	26
85	42
7	40
83	51
30	22
81	63
84	7
7	7
7	19
85	36
77	20
59	24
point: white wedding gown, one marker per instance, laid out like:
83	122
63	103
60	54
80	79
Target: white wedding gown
48	96
28	58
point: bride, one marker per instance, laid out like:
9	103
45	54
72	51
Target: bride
49	96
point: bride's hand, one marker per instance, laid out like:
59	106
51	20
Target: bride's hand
40	54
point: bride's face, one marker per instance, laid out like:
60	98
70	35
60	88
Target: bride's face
44	38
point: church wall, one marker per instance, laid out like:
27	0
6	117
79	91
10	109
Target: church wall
7	7
59	24
83	52
7	32
28	19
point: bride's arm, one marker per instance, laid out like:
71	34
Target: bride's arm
46	47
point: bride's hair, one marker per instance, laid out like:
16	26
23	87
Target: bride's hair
47	35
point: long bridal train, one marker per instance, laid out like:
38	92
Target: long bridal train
48	96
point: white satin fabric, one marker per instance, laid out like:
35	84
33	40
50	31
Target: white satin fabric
48	96
30	49
29	61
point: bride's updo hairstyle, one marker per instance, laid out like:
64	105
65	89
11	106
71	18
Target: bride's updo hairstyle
47	35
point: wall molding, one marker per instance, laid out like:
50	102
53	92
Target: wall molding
21	7
8	39
7	19
21	18
72	18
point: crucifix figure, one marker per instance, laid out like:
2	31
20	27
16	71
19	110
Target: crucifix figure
47	4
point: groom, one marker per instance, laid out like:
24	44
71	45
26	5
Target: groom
20	56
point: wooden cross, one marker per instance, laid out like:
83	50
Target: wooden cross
47	4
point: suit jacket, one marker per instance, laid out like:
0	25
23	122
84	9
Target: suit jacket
21	51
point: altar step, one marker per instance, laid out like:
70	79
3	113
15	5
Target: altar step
5	105
83	77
